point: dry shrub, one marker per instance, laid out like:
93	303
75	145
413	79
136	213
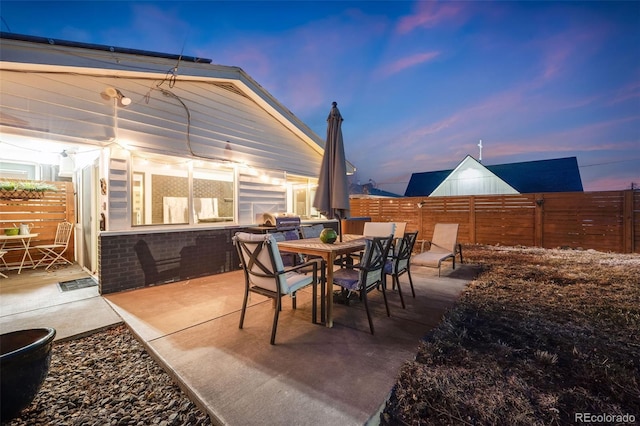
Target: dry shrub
539	336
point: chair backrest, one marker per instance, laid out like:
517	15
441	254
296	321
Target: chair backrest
379	229
403	250
312	231
63	233
373	260
445	238
261	261
288	259
400	228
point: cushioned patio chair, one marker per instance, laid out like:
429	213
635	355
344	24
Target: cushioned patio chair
289	259
312	231
442	246
265	274
379	229
53	253
368	274
398	262
399	231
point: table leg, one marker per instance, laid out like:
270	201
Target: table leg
25	245
330	259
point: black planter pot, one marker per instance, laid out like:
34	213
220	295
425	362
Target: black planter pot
25	356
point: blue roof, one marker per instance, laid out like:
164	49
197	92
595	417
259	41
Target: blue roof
556	175
423	184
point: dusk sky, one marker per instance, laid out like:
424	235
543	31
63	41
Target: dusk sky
418	83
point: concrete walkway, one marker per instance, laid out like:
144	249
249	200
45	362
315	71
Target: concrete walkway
312	376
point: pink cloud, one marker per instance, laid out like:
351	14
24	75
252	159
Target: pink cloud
611	183
433	128
430	14
631	91
406	62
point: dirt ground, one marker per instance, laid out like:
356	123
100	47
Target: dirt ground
540	337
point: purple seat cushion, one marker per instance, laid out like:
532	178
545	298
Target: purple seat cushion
347	278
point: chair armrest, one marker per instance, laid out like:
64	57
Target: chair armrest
422	243
312	263
345	263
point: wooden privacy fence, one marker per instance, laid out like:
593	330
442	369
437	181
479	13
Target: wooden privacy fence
43	214
604	221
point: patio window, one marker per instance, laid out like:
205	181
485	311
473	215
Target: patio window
169	191
300	193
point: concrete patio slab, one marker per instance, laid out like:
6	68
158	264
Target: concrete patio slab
313	375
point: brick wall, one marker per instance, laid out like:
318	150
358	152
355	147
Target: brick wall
139	260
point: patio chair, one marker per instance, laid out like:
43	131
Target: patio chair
368	274
2	253
400	228
53	253
379	229
442	246
265	274
312	231
398	262
289	259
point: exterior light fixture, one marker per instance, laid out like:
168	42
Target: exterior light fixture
112	93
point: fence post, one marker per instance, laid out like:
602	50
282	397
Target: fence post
472	219
627	222
538	225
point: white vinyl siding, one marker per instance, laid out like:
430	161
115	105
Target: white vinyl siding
472	178
220	124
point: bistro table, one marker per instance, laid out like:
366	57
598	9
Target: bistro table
25	241
329	252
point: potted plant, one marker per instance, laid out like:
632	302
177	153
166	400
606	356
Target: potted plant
10	190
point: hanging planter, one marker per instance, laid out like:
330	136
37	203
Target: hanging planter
24	190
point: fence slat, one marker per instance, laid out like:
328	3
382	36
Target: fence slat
605	221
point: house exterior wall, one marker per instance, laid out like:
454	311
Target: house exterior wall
186	110
135	260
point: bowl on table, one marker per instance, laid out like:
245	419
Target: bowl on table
11	231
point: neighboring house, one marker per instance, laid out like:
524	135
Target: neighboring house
368	190
168	149
471	177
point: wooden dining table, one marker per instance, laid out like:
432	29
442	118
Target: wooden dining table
25	242
329	252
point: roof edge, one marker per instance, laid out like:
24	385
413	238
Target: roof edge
103	47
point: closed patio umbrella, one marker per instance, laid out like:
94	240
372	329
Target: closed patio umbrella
332	195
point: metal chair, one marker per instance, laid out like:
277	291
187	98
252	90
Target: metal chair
265	274
399	262
311	231
368	274
2	253
54	252
379	229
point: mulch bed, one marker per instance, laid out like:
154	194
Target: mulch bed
540	337
108	379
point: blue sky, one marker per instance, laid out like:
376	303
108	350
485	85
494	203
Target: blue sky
418	83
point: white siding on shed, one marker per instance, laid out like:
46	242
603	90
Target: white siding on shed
472	178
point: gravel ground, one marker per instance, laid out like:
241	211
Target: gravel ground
108	379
